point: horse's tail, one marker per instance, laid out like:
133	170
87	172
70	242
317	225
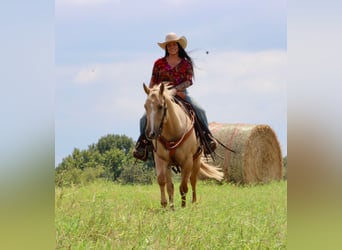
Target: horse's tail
211	171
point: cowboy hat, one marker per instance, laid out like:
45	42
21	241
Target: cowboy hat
172	37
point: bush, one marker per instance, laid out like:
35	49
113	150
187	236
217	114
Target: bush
137	174
76	176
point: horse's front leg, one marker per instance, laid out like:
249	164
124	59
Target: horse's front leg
163	200
161	178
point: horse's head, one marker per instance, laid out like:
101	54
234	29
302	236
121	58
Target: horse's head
155	107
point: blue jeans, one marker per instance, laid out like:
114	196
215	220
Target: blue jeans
198	109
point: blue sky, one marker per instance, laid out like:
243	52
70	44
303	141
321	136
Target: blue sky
105	49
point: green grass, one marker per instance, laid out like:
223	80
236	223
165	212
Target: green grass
105	215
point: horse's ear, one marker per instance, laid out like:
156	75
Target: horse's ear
147	90
161	90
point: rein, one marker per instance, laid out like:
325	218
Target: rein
160	129
172	145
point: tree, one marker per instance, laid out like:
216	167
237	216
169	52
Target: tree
105	159
109	142
113	161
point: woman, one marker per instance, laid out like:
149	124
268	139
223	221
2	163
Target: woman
175	67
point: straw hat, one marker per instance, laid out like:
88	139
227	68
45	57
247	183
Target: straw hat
172	37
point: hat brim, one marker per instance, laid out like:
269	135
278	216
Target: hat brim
182	41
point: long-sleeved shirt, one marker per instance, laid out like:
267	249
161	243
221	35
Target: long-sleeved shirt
162	71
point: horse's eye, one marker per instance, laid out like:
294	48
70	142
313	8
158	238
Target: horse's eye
160	107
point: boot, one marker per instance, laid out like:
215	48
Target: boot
140	151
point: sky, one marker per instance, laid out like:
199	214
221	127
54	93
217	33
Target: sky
105	50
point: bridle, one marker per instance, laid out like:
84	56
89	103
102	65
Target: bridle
160	129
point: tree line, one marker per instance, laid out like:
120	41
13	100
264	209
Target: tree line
110	159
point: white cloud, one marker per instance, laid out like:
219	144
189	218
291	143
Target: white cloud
179	2
230	72
84	2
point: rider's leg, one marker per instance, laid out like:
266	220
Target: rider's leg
200	113
141	150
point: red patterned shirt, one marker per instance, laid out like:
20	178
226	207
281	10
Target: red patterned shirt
162	71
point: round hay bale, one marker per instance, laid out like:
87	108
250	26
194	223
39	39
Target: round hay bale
258	157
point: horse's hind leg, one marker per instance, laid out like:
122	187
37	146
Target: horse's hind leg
170	190
170	187
183	188
193	179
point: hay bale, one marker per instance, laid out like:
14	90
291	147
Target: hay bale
258	157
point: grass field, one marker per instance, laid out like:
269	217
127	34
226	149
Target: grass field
105	215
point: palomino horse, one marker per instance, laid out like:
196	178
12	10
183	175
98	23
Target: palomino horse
174	139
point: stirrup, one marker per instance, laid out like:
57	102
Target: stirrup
140	151
140	154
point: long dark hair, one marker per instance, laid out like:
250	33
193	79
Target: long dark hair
183	54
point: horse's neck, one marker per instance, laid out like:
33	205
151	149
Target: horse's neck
176	123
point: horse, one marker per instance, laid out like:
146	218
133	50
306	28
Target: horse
174	140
